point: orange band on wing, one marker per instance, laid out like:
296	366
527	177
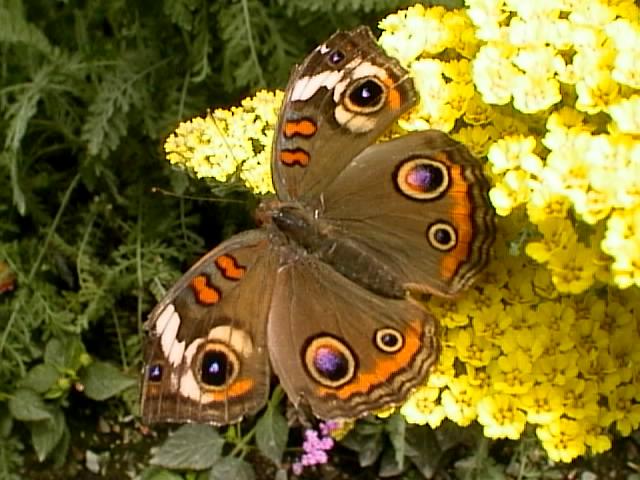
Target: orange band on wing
304	128
238	388
229	267
205	294
385	368
393	96
294	157
461	219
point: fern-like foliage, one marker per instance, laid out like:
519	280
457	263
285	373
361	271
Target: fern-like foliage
88	91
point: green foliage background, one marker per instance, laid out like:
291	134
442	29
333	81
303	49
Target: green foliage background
88	91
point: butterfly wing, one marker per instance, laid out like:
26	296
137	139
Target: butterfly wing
419	205
342	349
205	356
344	95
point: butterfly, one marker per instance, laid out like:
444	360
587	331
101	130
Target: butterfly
322	294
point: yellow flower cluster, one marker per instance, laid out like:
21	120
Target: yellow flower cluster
547	90
230	142
550	91
517	352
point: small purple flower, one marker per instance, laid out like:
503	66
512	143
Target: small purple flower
315	446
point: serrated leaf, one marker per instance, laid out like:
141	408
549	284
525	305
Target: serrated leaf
27	406
192	447
272	432
40	378
231	467
65	352
103	380
18	194
46	434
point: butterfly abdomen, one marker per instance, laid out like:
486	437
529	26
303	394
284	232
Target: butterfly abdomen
330	245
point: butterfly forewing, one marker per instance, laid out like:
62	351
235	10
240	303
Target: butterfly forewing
344	96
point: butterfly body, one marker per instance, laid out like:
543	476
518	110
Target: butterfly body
322	293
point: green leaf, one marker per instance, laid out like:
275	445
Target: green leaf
368	445
389	466
156	473
40	378
192	447
103	380
18	194
231	467
423	449
6	421
65	353
396	427
281	474
46	434
27	406
272	432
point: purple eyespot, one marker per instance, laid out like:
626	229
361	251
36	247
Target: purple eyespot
154	373
330	363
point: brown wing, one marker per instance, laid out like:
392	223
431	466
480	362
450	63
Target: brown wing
344	95
205	355
342	349
419	205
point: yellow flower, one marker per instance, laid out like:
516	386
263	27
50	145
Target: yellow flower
596	437
623	410
557	234
406	33
478	112
227	141
511	192
459	400
422	407
443	371
580	398
626	113
487	15
545	203
555	369
534	93
476	138
500	416
573	269
543	404
563	439
512	152
511	373
595	93
602	369
626	37
471	349
494	74
491	322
